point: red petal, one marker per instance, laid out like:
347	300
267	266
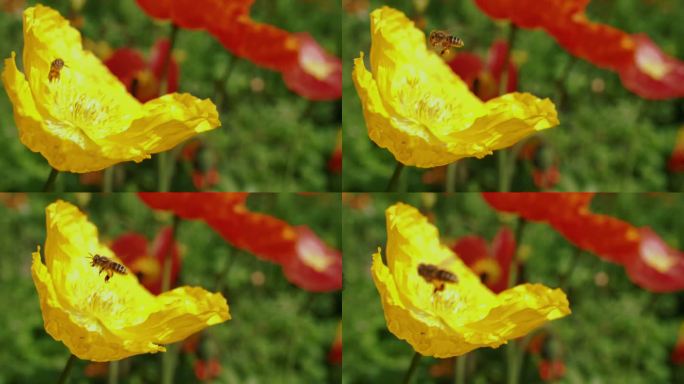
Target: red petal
316	267
159	9
470	249
651	73
130	247
657	267
125	63
467	66
164	246
317	75
158	57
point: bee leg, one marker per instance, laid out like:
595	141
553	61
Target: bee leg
444	51
439	288
109	276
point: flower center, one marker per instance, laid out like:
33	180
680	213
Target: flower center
79	112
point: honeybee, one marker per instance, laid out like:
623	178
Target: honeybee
437	276
55	67
444	40
108	265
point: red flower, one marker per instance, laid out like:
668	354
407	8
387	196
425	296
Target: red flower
335	354
545	174
678	352
316	267
648	261
492	263
306	68
148	262
676	163
207	370
644	69
307	262
143	79
550	370
484	80
335	161
203	167
317	75
546	178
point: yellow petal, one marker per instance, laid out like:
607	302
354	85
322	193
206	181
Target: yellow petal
422	112
105	321
465	315
84	120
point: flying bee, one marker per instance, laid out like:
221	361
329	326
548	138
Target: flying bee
108	265
55	68
437	276
445	41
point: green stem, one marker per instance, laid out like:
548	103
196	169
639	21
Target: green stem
512	29
511	362
561	82
169	359
393	184
113	372
108	179
512	351
451	177
503	170
164	164
513	274
168	363
49	185
67	369
412	368
222	83
221	276
164	86
461	369
168	258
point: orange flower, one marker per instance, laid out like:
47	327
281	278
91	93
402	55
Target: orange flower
491	263
644	69
148	262
678	352
143	79
676	163
484	79
335	354
307	262
647	259
207	370
306	68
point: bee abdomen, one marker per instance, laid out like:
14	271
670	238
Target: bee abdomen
446	276
119	268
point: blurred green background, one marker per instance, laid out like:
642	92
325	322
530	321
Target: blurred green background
608	139
278	332
617	332
270	140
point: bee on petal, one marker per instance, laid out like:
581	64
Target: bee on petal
437	276
55	68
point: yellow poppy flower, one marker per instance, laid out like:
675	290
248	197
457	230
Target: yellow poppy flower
105	321
80	117
422	112
465	315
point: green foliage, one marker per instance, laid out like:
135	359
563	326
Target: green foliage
617	332
270	139
607	140
278	333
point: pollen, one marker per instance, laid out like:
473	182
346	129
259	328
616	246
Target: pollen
88	111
